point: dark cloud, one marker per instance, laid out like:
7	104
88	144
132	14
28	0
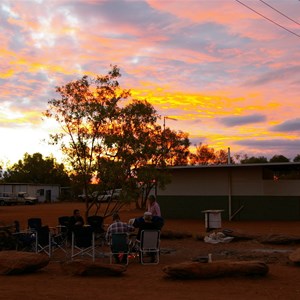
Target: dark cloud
136	13
274	76
274	143
201	37
198	140
17	36
290	125
241	120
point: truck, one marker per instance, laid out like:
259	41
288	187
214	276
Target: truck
14	199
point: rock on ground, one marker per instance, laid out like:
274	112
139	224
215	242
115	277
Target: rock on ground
295	256
17	262
279	239
197	270
89	268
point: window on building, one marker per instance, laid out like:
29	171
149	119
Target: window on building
281	173
41	192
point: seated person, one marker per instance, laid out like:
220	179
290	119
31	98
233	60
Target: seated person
118	227
147	221
76	221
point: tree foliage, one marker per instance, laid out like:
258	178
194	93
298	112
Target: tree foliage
206	155
254	160
107	141
36	169
297	158
279	158
86	111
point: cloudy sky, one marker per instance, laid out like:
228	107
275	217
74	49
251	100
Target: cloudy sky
227	70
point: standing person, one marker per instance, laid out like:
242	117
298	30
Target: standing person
153	206
118	227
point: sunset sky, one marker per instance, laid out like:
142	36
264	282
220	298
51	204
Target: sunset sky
227	70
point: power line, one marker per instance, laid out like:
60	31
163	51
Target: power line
279	12
290	31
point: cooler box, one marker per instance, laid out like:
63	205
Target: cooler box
213	219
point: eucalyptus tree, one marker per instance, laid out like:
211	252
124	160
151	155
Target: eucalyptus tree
142	150
37	169
107	141
145	149
297	158
279	158
254	160
85	111
206	155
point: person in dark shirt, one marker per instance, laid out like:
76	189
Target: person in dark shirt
147	221
76	221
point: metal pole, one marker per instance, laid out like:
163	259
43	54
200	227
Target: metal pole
229	188
228	157
164	135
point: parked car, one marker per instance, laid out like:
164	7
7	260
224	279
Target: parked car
90	197
84	196
24	198
6	198
19	198
110	195
102	196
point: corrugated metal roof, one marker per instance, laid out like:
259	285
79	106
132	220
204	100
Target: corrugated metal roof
284	164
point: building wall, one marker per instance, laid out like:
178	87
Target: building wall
192	182
44	193
48	193
253	207
194	190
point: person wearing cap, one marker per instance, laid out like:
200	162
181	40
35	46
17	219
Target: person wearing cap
153	206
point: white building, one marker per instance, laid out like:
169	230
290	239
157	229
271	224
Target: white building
44	192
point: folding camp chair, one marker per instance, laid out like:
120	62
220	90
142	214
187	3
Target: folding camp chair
63	224
25	241
119	245
149	246
59	240
63	228
12	238
96	222
83	242
42	235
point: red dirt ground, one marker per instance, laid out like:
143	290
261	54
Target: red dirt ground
149	282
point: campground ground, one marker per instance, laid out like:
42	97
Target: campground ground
150	282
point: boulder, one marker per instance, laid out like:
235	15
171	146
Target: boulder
295	256
89	268
198	270
239	235
17	262
280	239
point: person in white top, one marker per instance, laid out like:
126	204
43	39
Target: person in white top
153	206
